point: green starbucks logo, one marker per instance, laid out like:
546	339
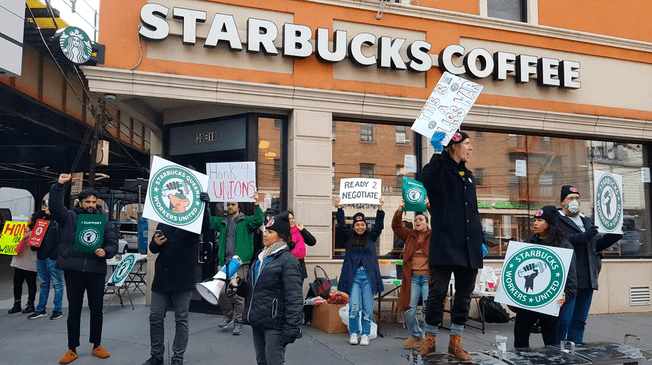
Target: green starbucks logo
123	269
175	195
414	195
609	202
89	236
75	45
533	276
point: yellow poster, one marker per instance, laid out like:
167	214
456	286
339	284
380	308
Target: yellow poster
12	232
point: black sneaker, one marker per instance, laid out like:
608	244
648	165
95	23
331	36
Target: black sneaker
37	314
56	315
153	361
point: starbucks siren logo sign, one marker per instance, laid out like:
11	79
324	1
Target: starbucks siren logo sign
533	276
415	195
174	194
90	237
124	268
75	45
609	202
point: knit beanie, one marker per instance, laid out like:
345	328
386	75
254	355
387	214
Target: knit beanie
547	213
458	137
281	225
359	217
568	189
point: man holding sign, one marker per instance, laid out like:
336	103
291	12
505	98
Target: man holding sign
456	239
85	243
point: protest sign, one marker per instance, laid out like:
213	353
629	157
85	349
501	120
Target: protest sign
231	181
534	277
173	195
608	190
121	272
447	106
410	163
40	227
414	195
90	232
12	232
360	191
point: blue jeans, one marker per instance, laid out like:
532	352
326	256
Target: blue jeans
418	290
268	346
47	272
362	298
181	302
573	315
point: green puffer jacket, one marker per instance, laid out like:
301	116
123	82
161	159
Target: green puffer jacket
244	238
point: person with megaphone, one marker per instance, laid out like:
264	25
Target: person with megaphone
273	295
174	280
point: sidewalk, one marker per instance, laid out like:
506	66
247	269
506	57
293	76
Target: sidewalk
126	336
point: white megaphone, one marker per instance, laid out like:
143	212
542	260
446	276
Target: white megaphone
211	288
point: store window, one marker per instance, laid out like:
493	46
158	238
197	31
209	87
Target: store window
270	166
354	157
515	10
507	202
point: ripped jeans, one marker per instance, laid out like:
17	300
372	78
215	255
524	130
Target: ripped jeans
361	298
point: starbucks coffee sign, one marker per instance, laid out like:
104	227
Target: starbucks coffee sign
608	190
173	195
75	45
534	277
298	43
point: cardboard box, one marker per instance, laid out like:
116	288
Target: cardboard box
326	317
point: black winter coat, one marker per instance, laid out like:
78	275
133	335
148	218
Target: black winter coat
176	261
67	220
587	250
456	237
275	300
571	281
49	248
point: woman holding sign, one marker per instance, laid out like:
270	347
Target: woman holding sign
547	233
360	277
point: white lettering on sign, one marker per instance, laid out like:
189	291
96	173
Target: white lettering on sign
296	39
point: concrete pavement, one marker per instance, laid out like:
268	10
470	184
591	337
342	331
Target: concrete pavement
126	336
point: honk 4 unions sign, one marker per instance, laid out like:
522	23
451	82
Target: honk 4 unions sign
261	34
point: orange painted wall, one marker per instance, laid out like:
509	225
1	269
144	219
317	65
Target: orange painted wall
118	31
628	19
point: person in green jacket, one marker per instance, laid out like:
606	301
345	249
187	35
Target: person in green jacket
236	238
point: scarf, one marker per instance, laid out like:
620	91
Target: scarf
265	254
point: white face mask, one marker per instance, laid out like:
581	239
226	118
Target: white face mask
573	206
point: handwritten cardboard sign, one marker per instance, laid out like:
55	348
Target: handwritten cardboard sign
231	181
40	227
12	232
447	106
534	277
173	195
360	191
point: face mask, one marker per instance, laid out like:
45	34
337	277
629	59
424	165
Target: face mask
573	207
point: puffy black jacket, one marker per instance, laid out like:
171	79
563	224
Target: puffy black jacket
571	281
67	220
49	248
275	300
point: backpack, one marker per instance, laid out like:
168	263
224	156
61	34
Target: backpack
493	312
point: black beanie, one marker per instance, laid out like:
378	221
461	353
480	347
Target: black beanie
281	225
458	137
359	217
547	213
568	189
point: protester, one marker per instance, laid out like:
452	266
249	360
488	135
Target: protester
456	239
301	237
273	294
236	238
174	280
83	271
360	277
46	264
415	274
24	264
588	246
547	233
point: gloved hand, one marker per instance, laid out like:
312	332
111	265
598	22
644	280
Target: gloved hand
591	232
204	197
436	139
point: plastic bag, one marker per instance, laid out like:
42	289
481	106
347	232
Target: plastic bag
344	314
488	277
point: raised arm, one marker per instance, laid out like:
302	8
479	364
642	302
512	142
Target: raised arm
397	225
57	210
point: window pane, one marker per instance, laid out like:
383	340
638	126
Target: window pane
270	161
507	9
367	132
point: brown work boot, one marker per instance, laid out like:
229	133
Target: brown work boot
428	345
456	350
412	343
